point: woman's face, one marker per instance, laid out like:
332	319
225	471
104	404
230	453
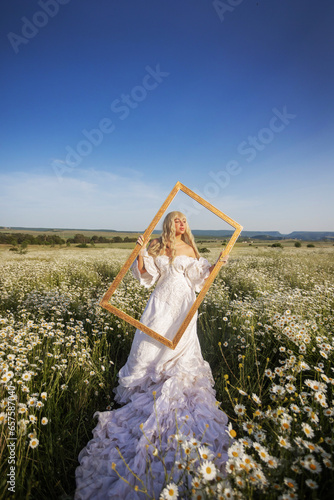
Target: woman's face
180	225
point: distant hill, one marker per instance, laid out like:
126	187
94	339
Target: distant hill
269	235
311	235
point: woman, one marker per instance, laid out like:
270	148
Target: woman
158	386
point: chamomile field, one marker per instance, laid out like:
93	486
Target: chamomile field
265	327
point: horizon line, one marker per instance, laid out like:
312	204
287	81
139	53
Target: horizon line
141	231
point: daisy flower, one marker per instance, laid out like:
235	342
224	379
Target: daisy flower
304	366
283	442
257	446
171	491
272	462
328	463
310	446
311	484
239	409
208	470
321	398
314	417
263	453
290	483
307	429
295	468
33	442
243	393
290	388
196	482
205	453
311	464
285	424
259	435
239	481
230	431
256	399
180	438
236	451
227	493
194	442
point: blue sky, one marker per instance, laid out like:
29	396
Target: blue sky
106	105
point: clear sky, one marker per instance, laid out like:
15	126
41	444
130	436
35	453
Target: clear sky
106	104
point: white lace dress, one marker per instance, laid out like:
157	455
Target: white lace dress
177	379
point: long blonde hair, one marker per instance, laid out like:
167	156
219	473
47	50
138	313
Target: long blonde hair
167	238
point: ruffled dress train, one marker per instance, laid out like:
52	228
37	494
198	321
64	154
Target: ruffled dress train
160	389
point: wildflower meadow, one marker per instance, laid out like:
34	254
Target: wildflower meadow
265	327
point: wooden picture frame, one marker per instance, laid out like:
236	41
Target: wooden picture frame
136	323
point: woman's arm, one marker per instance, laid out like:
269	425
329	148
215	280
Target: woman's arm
140	260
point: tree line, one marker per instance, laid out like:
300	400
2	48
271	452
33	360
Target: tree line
53	239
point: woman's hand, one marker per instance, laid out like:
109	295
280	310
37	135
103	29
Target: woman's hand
220	259
223	259
140	242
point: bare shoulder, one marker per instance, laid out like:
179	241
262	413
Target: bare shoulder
154	242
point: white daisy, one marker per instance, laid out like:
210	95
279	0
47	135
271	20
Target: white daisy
307	429
33	442
205	453
283	442
208	470
256	399
171	491
311	484
239	409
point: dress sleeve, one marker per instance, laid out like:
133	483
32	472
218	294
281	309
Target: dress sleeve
197	272
151	275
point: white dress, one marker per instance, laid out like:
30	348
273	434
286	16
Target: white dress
181	379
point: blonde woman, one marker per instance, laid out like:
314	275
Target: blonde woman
157	385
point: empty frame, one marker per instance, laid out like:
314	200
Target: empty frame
146	236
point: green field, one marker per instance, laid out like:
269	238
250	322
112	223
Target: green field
265	327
